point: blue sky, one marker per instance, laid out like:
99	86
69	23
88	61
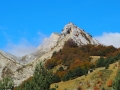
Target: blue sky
25	23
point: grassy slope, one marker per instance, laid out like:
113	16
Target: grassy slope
107	75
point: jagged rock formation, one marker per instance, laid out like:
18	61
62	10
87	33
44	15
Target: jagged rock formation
78	35
22	68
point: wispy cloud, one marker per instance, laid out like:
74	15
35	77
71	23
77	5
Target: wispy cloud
41	36
20	49
23	46
109	39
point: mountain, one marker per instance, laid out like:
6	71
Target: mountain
70	31
22	68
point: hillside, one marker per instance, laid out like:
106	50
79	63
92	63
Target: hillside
99	78
74	72
103	73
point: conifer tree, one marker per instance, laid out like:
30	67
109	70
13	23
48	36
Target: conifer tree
41	80
7	84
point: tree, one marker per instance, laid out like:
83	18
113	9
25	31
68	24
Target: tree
77	72
107	66
103	88
7	83
61	69
41	80
50	63
116	83
67	76
55	78
71	43
92	66
85	71
42	77
100	62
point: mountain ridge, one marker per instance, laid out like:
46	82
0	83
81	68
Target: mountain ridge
27	64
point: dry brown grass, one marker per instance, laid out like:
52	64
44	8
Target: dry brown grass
73	84
57	68
114	69
94	58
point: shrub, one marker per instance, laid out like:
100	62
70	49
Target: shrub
79	88
109	83
61	69
55	78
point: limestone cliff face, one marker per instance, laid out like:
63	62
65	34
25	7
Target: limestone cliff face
22	68
8	65
78	35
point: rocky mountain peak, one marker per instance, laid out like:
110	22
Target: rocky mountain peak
50	42
54	37
67	29
78	35
54	43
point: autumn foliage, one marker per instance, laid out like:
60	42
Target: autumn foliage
79	88
109	83
73	56
77	61
95	87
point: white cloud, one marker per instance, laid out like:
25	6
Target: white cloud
20	49
41	36
109	39
24	47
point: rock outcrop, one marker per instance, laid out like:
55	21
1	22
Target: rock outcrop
8	65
